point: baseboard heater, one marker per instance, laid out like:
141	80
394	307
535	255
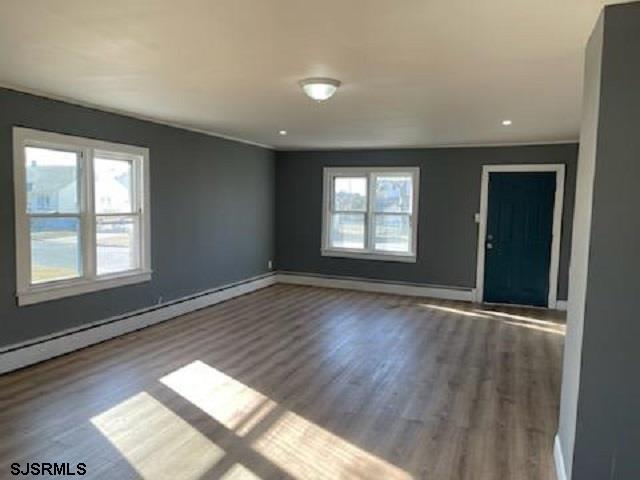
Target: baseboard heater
50	346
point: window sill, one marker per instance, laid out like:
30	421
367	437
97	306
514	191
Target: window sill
384	257
44	293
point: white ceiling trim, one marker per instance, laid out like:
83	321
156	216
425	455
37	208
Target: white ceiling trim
125	113
431	146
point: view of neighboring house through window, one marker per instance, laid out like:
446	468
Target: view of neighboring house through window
81	215
370	213
54	213
349	213
117	220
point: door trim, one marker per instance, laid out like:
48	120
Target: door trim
554	264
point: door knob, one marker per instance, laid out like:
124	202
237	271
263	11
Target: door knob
489	246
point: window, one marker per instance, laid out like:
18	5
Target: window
82	215
370	213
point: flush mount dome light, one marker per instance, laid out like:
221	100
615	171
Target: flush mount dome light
319	89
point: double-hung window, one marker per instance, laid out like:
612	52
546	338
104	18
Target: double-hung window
371	213
82	215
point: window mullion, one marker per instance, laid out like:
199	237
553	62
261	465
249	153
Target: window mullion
134	213
55	215
370	215
136	187
89	219
412	246
139	207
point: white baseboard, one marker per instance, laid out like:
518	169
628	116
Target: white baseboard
561	472
562	305
44	348
368	285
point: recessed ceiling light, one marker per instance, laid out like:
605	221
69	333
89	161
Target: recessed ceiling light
282	132
506	123
319	88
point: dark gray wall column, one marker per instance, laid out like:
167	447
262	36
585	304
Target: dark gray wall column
607	427
580	250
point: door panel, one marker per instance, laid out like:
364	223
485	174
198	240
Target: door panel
519	237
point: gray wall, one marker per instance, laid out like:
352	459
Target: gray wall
212	214
607	434
449	198
580	247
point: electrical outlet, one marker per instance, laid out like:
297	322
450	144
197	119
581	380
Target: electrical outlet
270	264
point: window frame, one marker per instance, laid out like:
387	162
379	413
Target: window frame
368	252
89	281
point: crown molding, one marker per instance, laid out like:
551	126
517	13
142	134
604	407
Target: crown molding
430	146
125	113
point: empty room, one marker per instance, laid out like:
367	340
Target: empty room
284	239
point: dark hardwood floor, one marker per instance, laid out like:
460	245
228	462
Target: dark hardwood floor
301	382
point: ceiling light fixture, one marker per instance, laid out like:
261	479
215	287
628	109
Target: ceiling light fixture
319	89
506	123
282	132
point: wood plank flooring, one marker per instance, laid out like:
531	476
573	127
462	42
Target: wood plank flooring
301	382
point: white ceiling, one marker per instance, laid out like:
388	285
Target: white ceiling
414	72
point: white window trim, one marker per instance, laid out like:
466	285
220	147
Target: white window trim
368	254
26	292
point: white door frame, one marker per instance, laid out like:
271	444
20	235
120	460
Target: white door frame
559	170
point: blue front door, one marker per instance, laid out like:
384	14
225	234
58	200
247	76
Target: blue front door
519	235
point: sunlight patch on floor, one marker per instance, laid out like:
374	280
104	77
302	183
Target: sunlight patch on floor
457	311
546	326
520	318
556	331
305	450
239	472
155	441
291	442
233	404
